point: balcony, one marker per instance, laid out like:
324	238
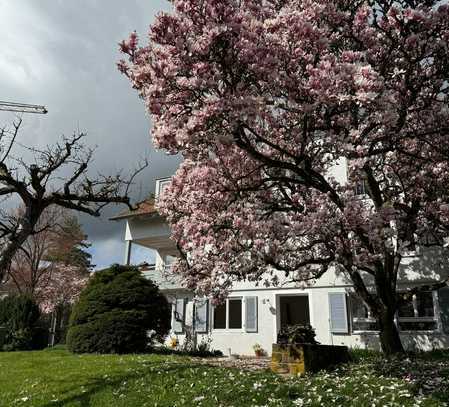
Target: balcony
161	275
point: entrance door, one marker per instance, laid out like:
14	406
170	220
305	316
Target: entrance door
294	310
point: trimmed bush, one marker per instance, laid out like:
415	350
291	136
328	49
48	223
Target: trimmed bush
117	312
19	319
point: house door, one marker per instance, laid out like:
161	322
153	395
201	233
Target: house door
294	309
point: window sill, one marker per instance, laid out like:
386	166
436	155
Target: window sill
436	331
228	331
411	254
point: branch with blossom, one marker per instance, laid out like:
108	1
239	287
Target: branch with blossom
265	100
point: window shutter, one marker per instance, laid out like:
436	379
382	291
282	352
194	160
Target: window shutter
337	313
178	316
201	315
443	302
251	314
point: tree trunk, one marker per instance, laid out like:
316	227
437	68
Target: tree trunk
390	340
26	225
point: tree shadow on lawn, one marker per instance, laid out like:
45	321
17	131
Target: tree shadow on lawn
88	389
428	372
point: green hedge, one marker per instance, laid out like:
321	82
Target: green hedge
116	312
19	319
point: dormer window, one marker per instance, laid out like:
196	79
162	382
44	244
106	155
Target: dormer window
161	184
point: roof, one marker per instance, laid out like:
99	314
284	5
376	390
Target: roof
143	208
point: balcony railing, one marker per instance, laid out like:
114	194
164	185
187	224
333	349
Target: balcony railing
152	267
161	276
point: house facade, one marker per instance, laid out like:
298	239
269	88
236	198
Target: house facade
255	314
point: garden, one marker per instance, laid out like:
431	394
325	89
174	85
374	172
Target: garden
58	378
109	359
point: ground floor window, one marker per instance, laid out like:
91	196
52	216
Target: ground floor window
228	315
235	313
418	312
415	314
361	317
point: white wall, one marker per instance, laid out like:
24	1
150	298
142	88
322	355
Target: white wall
241	342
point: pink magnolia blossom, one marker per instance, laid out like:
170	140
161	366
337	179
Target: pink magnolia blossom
63	286
264	99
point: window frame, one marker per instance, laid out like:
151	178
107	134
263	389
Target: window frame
174	319
369	319
256	311
397	319
227	329
434	318
160	183
363	186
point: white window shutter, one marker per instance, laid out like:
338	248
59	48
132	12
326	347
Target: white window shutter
178	315
251	314
338	313
201	315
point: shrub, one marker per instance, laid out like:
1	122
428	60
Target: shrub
19	319
116	312
296	334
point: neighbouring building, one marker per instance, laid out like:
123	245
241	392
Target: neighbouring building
253	314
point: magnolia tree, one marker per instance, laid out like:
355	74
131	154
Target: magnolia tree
264	99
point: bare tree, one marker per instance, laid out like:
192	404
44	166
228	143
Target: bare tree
57	175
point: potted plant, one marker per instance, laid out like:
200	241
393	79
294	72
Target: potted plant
292	334
258	350
173	343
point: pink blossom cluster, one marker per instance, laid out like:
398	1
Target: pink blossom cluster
63	285
264	99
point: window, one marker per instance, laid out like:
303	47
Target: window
360	187
161	184
361	317
235	313
179	315
417	313
228	315
251	314
168	262
220	316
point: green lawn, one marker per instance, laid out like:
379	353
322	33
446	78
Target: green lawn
57	378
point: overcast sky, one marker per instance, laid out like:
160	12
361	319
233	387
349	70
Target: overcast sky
62	54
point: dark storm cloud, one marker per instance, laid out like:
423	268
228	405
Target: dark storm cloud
62	54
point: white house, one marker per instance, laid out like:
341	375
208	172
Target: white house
255	314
